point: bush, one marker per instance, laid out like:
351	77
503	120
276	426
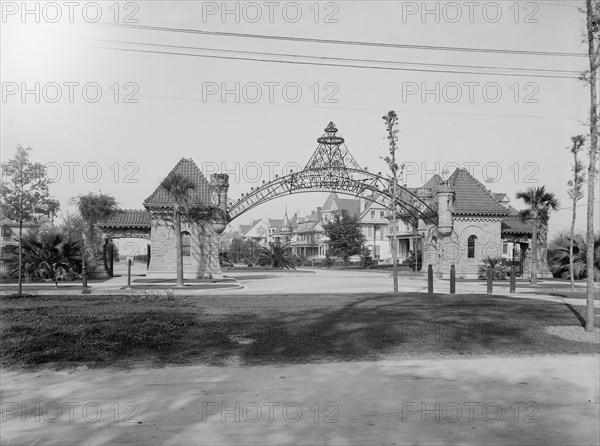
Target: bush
328	261
419	260
498	268
558	257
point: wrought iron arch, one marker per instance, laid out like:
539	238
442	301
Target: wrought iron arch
333	169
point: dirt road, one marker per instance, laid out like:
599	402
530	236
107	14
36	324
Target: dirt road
537	400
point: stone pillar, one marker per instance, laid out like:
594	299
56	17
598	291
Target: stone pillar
210	252
445	197
219	185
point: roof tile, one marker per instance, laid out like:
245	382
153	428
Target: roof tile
188	168
127	218
472	198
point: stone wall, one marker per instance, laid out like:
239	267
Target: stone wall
443	251
203	261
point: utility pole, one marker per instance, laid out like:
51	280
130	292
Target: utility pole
592	33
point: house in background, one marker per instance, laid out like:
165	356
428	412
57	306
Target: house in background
473	223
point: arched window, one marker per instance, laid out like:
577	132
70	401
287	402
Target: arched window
186	240
471	247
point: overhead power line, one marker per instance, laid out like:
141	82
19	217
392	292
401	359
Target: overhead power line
298	62
346	42
343	59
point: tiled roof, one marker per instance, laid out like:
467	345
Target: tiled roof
127	218
514	225
187	168
472	198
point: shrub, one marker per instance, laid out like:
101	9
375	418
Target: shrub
419	260
498	268
558	256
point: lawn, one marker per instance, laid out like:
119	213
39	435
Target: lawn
123	331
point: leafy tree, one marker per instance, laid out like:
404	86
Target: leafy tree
539	203
562	262
345	236
277	255
243	251
25	195
178	186
48	255
94	208
575	192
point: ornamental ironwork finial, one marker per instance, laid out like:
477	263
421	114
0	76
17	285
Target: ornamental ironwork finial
330	137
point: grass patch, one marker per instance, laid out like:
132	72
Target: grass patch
65	331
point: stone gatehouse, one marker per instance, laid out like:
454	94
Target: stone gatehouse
199	230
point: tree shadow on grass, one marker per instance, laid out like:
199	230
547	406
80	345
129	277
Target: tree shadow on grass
66	331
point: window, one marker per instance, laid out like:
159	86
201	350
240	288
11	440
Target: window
381	214
372	214
7	232
471	247
505	248
186	239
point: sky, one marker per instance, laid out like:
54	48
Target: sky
490	86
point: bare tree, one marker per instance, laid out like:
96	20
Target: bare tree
391	124
575	192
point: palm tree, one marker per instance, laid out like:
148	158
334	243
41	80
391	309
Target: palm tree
575	192
562	262
539	203
178	186
277	255
48	255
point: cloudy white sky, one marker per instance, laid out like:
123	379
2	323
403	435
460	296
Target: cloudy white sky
508	103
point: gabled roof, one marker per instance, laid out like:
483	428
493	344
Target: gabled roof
375	206
313	227
329	204
275	222
433	182
199	196
244	229
500	196
472	198
127	218
335	203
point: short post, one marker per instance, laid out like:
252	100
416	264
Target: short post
490	280
84	275
513	280
430	279
128	273
452	279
